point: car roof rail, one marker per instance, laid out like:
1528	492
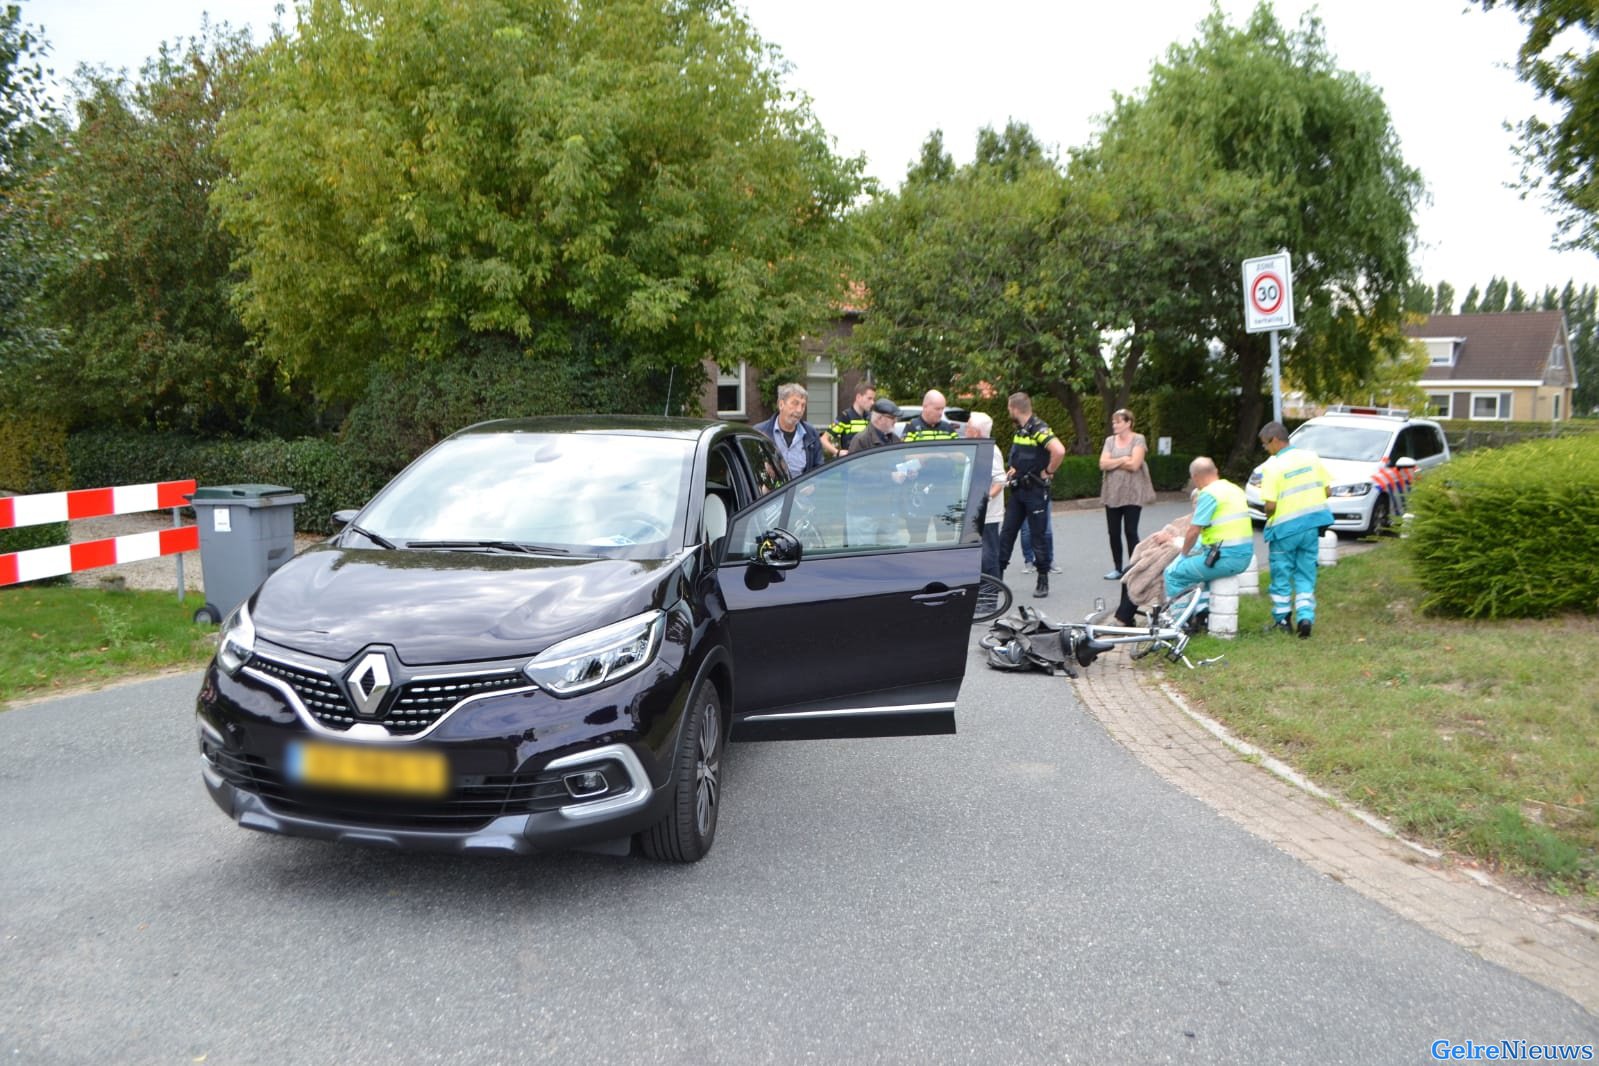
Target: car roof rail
1347	409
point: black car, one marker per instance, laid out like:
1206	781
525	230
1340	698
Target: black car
540	633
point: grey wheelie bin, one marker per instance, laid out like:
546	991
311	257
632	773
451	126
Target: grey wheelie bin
246	532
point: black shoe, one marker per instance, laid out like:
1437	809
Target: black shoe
1304	629
1042	588
1279	626
1200	623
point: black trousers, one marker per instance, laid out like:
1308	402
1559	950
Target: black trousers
1119	521
1034	510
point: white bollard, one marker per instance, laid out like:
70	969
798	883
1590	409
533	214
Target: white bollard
1224	607
1327	554
1249	580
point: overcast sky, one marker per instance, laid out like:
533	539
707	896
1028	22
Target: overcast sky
883	73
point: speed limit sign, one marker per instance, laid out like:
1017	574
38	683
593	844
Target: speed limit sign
1268	293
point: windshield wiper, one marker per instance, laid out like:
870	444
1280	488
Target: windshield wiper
382	542
491	545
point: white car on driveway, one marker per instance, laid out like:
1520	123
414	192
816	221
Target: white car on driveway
1358	445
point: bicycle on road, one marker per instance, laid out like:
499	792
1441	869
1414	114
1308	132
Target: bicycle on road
1171	626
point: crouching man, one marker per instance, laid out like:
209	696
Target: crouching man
1222	529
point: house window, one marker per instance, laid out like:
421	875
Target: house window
1438	404
1441	350
1557	407
1490	406
1557	357
730	392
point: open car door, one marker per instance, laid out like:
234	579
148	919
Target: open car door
850	594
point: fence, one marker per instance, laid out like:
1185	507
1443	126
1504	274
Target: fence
36	563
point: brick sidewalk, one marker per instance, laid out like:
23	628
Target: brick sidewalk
1534	938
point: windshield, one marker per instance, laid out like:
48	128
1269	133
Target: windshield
578	493
1344	442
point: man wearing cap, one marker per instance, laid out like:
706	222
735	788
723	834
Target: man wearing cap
876	497
879	428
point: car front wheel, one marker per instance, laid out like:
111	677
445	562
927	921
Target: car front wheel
1379	516
686	832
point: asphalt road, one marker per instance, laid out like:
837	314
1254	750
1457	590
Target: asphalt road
1023	892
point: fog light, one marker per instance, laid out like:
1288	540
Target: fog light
586	784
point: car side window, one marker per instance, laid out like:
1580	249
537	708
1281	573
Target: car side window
1425	443
766	468
911	498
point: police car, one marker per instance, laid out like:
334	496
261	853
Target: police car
1364	449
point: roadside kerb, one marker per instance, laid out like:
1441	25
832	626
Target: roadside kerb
1537	939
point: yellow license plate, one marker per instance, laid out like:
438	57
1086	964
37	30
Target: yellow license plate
362	769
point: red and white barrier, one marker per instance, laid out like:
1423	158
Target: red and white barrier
92	503
60	559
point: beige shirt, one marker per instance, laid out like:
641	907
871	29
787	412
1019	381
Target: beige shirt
1126	488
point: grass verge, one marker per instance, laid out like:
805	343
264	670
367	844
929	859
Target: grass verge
1481	738
55	638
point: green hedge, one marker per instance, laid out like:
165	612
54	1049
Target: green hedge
1510	532
328	475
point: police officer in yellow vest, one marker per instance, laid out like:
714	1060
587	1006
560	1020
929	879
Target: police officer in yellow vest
1222	528
1293	486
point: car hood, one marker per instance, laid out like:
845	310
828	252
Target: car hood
436	607
1342	472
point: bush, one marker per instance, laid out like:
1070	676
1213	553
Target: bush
1510	532
324	472
33	455
401	416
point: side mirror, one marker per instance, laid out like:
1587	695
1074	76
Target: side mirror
778	549
1405	463
340	519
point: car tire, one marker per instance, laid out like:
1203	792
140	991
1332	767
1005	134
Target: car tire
1381	517
687	831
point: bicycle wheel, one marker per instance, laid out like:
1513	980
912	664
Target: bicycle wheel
993	599
1143	646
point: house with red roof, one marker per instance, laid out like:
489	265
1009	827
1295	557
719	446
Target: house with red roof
1498	367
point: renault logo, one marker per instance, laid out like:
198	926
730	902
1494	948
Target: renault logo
369	682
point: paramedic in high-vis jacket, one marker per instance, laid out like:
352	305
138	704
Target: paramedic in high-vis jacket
1293	485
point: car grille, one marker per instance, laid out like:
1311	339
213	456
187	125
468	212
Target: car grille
474	800
415	708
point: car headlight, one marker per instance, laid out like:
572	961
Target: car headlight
600	657
236	643
1350	490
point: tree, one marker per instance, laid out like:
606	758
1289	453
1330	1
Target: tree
1471	304
1582	323
27	120
413	174
969	279
1494	295
1277	148
1559	61
140	272
1443	302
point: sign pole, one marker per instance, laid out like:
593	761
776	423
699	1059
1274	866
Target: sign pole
1269	308
1276	380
